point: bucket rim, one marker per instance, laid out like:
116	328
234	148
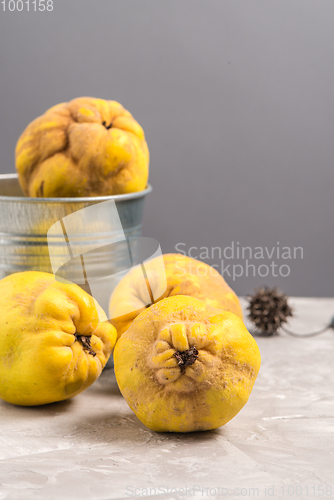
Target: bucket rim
83	199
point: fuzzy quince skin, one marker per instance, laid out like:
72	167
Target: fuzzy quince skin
52	345
184	366
85	147
185	276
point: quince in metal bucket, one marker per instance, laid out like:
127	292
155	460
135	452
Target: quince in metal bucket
52	343
85	147
185	366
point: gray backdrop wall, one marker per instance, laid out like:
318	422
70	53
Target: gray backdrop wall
237	102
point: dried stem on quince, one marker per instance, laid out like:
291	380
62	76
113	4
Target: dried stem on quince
85	341
186	358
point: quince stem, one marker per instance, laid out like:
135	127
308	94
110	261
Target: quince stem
186	358
85	341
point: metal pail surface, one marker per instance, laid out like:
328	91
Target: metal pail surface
25	222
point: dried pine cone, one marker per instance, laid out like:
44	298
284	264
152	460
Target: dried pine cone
268	309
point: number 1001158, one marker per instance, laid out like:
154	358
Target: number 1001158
27	5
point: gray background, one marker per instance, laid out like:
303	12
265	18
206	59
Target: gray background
236	99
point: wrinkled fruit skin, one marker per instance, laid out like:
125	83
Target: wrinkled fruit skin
185	276
202	396
86	147
41	359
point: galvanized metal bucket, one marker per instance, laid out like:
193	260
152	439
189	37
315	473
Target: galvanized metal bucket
25	222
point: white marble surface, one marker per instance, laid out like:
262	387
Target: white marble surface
281	445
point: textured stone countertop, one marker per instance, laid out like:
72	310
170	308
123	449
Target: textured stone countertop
281	445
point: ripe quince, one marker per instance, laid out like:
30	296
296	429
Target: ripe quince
185	276
52	344
185	366
85	147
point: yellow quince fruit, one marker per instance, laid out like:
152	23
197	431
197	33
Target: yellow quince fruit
52	344
182	275
85	147
185	366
